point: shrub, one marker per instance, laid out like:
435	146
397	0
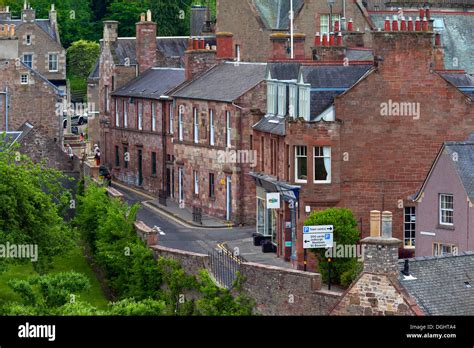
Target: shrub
345	233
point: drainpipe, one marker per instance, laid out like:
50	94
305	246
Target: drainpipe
241	181
7	107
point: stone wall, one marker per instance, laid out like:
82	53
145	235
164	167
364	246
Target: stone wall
281	291
277	291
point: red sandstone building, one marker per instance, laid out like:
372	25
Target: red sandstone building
359	135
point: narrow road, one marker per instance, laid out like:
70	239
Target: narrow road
181	237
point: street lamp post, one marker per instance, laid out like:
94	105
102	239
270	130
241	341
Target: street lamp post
331	4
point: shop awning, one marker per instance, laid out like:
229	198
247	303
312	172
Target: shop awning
271	184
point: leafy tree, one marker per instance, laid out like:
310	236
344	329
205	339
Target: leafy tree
130	307
345	233
31	200
81	57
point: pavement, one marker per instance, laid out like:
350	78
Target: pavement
179	231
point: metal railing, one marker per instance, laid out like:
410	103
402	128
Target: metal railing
224	267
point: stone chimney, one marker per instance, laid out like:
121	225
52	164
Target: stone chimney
381	251
110	31
5	14
146	45
198	58
281	46
225	46
28	15
53	16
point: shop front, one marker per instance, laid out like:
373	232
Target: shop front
277	202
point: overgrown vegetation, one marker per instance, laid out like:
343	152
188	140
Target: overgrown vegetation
343	270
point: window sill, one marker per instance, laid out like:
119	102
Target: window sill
445	227
301	181
322	182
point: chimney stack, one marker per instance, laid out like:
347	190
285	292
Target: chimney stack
198	60
110	31
145	46
5	14
381	252
281	46
28	15
225	46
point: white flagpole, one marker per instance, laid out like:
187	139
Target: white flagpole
292	29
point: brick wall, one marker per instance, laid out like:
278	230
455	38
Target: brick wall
242	19
390	156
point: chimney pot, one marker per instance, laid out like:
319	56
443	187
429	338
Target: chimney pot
411	27
438	39
375	223
425	24
350	25
395	25
202	44
403	24
422	12
387	24
331	39
336	26
428	13
195	44
387	218
325	39
317	39
417	24
339	39
142	17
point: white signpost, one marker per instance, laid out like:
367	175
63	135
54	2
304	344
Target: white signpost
318	240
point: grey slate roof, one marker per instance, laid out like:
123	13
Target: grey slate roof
465	163
333	76
284	71
152	84
45	80
271	124
44	24
456	38
359	54
275	13
439	287
225	82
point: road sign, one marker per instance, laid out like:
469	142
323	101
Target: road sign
319	229
318	240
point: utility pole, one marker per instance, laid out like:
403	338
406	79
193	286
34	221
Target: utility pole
292	15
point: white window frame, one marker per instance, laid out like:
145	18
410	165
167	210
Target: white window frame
408	241
25	81
140	115
24	61
211	128
441	209
125	113
195	125
153	117
281	99
171	118
293	96
196	182
297	156
272	102
53	61
327	158
324	22
117	121
304	101
180	122
228	129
